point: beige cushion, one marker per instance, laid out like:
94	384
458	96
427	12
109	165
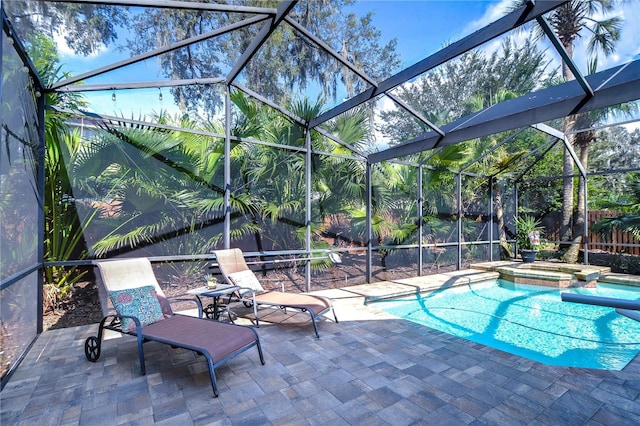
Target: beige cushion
246	279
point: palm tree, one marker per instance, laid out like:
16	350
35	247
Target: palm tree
570	21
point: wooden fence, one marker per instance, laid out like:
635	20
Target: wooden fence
617	242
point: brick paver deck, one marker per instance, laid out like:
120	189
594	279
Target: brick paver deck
368	369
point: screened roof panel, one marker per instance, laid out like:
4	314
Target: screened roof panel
615	148
130	32
142	71
362	50
551	168
421	28
616	28
146	103
299	68
626	114
395	124
498	154
354	132
67	24
505	64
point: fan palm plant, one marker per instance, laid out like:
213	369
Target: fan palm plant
167	185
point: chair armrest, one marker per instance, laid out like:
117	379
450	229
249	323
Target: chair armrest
243	292
135	320
189	299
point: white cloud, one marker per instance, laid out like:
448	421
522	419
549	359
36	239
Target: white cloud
65	51
627	48
494	12
632	126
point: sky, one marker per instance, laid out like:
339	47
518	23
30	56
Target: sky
432	22
421	27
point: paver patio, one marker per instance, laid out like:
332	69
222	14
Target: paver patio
368	369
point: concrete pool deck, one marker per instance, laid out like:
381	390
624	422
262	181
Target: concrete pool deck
371	368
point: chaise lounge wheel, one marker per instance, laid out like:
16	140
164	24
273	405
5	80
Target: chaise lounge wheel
92	348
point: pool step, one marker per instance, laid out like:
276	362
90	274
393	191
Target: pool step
536	277
621	279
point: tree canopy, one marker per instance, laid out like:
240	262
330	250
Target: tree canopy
448	92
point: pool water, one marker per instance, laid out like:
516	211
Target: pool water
530	321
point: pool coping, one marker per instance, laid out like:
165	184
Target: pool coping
365	294
369	293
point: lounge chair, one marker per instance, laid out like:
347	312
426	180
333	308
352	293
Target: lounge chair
144	311
236	271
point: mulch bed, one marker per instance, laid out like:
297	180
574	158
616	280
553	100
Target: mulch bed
79	307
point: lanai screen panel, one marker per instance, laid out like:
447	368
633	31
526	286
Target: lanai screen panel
20	205
439	212
395	124
155	101
615	148
612	214
92	35
504	230
613	194
146	89
394	220
268	198
289	70
142	191
540	188
475	216
338	201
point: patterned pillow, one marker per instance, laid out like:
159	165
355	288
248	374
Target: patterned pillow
140	302
246	279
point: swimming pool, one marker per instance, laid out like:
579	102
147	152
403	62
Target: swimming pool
530	321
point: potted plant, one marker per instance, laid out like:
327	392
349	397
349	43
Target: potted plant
528	237
211	281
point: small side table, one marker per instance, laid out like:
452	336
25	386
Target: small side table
213	310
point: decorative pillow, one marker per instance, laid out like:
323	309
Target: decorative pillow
140	302
246	279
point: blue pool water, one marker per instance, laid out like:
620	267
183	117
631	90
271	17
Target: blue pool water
530	321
